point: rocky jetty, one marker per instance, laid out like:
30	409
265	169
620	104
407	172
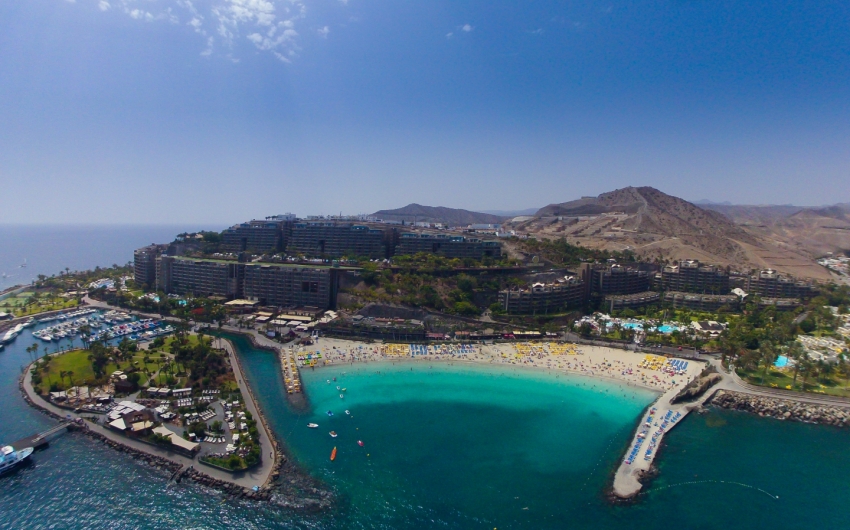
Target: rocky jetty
696	388
782	409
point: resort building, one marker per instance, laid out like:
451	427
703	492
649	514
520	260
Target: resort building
701	302
690	276
286	285
615	279
630	301
268	284
200	277
781	304
448	246
269	235
770	284
544	297
144	265
329	239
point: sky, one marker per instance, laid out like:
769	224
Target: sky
175	111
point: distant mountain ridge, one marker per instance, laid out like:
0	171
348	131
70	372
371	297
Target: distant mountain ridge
438	214
657	226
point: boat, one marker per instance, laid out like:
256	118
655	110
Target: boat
330	413
341	396
347	411
333	454
360	443
11	334
29	323
333	434
313	425
337	387
9	458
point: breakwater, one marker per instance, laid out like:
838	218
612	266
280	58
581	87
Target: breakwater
782	409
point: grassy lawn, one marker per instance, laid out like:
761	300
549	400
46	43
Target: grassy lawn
193	341
834	386
13	305
77	361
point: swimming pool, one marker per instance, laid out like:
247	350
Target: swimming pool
666	328
781	362
633	325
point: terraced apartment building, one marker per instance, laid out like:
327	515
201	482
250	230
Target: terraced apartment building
701	302
286	285
448	246
271	284
328	239
614	279
770	284
691	276
268	235
543	298
144	264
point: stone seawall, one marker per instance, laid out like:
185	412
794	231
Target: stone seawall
782	409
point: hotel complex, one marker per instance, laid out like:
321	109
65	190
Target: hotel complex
611	286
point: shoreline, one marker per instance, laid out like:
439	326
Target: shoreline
289	493
604	363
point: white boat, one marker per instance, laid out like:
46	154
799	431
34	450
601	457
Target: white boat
11	334
313	425
9	458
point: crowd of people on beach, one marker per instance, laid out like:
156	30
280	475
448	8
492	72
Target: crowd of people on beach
553	356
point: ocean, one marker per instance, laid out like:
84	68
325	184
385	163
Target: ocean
447	446
49	249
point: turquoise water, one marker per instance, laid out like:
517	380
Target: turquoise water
666	328
452	447
633	325
781	361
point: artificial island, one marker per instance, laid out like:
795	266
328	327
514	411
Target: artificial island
155	375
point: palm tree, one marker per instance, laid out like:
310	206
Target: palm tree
795	352
806	366
62	374
768	357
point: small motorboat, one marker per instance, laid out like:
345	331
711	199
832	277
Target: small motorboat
337	387
347	411
344	389
341	396
333	454
333	434
360	443
313	425
330	413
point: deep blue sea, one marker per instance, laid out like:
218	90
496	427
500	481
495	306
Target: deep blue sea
48	249
450	447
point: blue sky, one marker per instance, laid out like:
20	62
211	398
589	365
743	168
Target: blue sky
218	111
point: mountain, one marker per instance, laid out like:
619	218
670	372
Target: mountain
659	226
512	213
702	202
438	214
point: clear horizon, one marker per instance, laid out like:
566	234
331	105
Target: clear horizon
173	112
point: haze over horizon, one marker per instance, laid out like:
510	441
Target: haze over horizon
173	112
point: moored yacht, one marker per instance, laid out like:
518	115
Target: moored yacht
9	458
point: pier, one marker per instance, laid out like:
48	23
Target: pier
289	367
40	440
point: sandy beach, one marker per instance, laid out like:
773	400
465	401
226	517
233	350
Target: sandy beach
592	361
666	376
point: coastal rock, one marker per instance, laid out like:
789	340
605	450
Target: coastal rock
782	409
